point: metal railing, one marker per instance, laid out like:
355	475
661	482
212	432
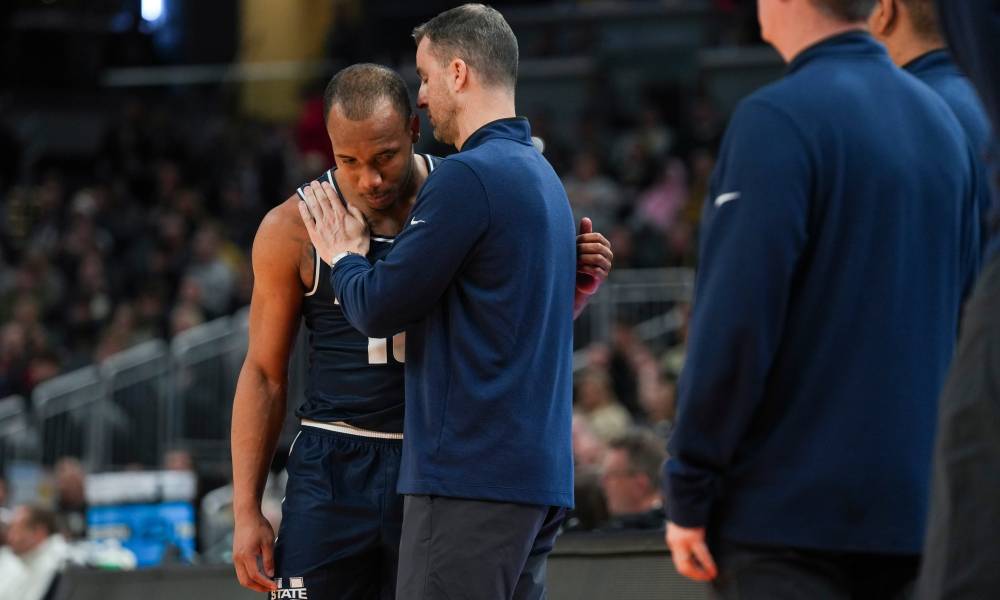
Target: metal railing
136	405
18	439
648	301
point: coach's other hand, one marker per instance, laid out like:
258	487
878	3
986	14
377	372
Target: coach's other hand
690	552
333	227
253	539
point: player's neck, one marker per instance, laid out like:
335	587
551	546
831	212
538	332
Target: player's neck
390	221
485	107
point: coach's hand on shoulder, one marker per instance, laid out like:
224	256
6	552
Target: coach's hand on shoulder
253	538
593	258
333	227
690	552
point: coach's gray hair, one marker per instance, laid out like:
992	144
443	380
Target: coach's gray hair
847	10
480	36
359	88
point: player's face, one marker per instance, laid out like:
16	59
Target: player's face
435	95
375	155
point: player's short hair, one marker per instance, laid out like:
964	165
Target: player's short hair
847	10
645	452
923	16
358	90
480	36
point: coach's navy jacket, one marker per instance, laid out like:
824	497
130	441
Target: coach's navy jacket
838	236
939	71
970	26
482	280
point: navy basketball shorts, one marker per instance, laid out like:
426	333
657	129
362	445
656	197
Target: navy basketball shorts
341	518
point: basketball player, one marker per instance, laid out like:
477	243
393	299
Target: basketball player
340	529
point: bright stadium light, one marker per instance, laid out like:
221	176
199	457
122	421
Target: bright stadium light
151	10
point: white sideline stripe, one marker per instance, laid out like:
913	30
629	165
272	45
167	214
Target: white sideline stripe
341	427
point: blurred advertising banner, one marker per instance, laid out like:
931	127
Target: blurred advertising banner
285	32
150	513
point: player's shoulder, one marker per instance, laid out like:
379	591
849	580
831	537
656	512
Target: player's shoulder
285	218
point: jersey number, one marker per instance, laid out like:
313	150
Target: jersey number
378	350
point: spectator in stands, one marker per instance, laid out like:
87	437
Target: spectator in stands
588	455
597	405
660	205
588	448
637	151
71	500
214	277
13	360
630	477
591	509
120	334
40	553
592	193
184	316
673	359
656	395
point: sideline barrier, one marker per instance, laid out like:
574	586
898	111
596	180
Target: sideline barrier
618	565
584	566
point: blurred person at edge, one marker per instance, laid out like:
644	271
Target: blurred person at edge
961	552
818	194
910	32
35	555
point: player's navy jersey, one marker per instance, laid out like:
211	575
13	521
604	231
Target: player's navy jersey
351	378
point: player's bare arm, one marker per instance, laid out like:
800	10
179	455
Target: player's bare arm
282	264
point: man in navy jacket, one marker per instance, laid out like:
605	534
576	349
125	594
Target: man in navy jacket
961	551
482	279
838	236
910	31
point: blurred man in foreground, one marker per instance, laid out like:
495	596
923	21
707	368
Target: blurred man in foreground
837	241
